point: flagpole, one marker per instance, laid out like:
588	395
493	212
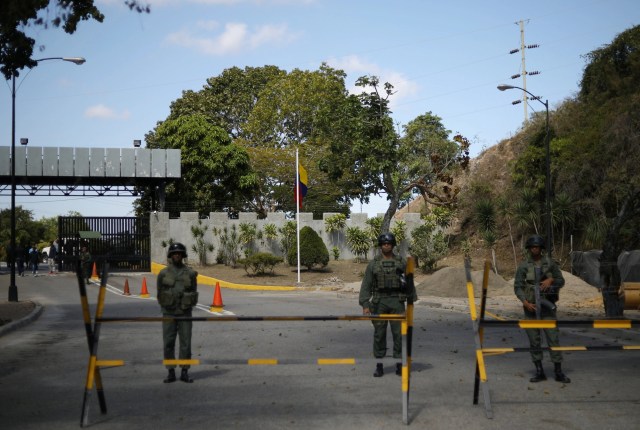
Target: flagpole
298	212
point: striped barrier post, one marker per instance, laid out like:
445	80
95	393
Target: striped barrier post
479	323
93	334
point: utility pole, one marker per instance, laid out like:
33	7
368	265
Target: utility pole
524	71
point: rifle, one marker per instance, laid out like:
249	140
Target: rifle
541	301
537	292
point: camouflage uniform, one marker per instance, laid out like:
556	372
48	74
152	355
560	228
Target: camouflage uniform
524	287
177	295
381	293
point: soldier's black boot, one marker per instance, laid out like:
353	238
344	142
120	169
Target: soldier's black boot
379	371
171	377
560	377
399	369
184	376
539	376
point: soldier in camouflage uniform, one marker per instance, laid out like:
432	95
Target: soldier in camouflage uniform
383	292
539	268
177	295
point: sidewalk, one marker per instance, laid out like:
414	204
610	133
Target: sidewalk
14	315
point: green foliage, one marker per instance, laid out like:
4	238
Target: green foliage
336	253
443	216
381	161
28	231
288	237
374	228
229	244
259	263
201	246
313	251
335	223
215	171
270	231
248	234
486	216
614	69
428	246
399	230
166	243
359	242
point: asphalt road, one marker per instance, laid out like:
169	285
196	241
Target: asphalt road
43	367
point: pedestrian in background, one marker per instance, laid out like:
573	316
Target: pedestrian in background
177	295
383	291
20	259
539	269
52	257
34	259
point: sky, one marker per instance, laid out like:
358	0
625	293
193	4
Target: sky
443	57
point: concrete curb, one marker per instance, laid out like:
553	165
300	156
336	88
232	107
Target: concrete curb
14	325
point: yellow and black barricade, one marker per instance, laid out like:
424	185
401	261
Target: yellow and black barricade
479	323
93	335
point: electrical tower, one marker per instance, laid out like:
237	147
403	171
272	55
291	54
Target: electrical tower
524	71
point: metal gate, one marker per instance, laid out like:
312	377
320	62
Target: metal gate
123	241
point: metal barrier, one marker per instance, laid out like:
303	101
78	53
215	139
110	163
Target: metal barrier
93	334
479	323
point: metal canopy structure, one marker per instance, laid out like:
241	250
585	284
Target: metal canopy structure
67	171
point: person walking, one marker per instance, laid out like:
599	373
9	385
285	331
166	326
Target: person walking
539	271
52	257
177	295
34	259
383	291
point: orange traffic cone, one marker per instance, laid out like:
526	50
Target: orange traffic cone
217	305
126	291
94	273
144	292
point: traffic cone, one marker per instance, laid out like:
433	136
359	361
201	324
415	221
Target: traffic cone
217	305
94	273
144	292
126	291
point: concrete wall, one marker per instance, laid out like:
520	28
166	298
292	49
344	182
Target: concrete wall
163	229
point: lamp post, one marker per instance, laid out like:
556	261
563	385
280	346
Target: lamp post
547	179
13	289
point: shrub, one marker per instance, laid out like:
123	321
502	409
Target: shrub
358	242
260	263
428	246
313	251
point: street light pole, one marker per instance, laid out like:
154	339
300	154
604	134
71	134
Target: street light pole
547	178
13	288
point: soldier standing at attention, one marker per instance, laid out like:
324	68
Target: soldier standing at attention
177	295
540	269
383	292
85	258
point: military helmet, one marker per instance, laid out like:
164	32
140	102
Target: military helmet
175	248
535	240
386	238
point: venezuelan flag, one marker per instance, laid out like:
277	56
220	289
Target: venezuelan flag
302	181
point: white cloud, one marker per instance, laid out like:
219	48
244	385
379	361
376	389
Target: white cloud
236	37
355	67
103	112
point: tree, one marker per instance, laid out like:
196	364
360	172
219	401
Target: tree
381	161
227	100
16	16
28	231
600	130
302	110
215	172
271	113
